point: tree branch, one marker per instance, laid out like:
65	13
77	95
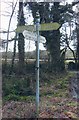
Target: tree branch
8	31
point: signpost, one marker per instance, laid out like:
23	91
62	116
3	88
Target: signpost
37	63
49	26
42	27
33	36
36	37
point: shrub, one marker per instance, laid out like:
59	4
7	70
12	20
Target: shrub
17	86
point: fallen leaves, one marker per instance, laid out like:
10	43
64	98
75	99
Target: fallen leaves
49	108
71	115
51	104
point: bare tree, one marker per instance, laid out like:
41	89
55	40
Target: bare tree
8	32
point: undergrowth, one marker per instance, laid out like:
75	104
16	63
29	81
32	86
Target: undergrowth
24	88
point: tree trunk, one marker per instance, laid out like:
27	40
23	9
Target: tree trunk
55	45
78	48
14	53
21	53
55	51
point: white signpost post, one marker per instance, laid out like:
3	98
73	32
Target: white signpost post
36	37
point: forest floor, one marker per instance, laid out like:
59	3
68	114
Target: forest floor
56	101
